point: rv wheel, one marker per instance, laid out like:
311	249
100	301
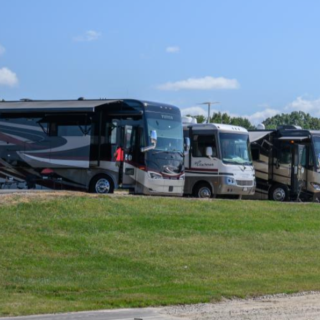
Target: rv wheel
101	184
278	193
203	190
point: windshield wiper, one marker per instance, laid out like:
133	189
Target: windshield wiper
168	151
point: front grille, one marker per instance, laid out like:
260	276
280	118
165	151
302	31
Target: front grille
247	183
171	178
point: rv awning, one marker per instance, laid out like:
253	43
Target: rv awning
295	138
53	106
257	135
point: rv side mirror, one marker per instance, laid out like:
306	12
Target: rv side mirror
153	140
153	137
209	152
186	145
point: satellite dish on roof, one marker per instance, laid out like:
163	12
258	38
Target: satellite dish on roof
261	126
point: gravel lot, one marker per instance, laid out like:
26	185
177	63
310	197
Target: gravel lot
305	306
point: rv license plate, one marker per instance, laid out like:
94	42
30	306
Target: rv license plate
245	189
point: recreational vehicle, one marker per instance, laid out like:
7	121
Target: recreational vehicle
75	144
287	163
219	161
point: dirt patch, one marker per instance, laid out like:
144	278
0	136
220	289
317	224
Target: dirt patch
19	196
304	306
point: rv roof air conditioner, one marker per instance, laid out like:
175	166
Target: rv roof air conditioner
189	120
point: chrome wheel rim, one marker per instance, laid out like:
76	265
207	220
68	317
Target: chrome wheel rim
102	186
279	194
204	192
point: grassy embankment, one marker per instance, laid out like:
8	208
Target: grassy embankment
81	252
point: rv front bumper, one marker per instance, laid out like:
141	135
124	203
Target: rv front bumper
236	190
155	184
237	187
164	187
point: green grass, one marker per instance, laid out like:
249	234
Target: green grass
83	253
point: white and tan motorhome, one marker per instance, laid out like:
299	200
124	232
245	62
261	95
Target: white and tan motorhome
287	163
219	161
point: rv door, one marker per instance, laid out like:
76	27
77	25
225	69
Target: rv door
128	168
299	172
282	164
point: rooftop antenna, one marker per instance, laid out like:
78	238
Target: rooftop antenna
209	106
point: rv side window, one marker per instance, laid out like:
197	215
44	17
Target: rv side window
310	158
255	153
303	157
70	130
111	132
141	137
285	156
64	128
200	143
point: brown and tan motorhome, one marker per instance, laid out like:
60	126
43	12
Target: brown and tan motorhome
287	163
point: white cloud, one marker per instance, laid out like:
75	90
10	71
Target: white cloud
254	118
8	78
299	104
206	83
260	116
173	49
308	106
2	50
89	35
194	111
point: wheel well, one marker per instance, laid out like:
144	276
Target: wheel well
201	182
97	176
274	186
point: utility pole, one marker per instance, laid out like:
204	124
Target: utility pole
209	106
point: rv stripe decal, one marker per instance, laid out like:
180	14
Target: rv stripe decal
204	170
210	173
265	172
204	173
281	175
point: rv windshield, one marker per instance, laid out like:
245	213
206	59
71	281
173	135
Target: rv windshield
316	142
235	148
169	131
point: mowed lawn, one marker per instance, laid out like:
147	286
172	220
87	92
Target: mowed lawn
78	252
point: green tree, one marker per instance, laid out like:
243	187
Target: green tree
298	118
225	118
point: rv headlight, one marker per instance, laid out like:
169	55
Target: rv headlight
154	175
182	177
315	185
230	181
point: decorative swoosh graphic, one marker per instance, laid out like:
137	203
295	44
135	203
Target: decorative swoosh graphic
59	162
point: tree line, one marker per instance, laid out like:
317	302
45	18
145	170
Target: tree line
299	118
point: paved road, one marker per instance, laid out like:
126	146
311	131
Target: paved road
123	314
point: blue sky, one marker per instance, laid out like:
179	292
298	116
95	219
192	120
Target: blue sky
257	58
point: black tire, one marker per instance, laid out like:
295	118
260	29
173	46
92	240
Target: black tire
278	193
101	184
202	190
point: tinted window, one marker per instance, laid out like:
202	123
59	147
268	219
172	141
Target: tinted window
255	152
69	130
285	156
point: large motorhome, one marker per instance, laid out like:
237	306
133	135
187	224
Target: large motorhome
71	144
219	161
287	163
